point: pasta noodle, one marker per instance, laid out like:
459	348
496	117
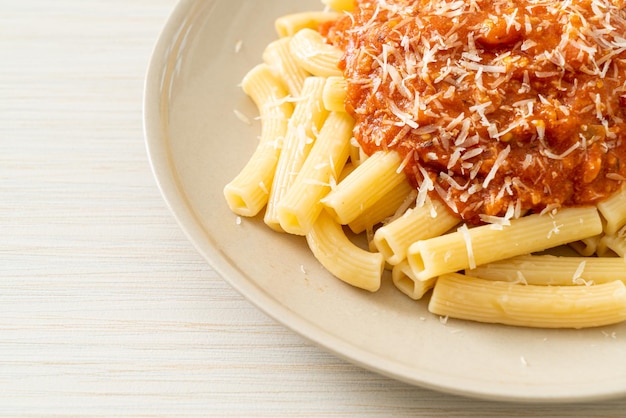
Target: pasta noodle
464	179
468	248
587	247
404	279
615	243
365	186
550	270
278	56
314	54
428	221
614	212
341	257
482	300
308	116
382	209
335	94
300	207
248	193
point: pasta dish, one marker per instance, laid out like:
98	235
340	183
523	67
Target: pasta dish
463	139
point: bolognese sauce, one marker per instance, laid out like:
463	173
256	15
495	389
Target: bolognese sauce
498	107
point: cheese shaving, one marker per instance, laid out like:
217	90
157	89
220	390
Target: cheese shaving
464	230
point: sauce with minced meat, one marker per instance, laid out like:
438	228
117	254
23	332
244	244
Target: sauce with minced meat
498	108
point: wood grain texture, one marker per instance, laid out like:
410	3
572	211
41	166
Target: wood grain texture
105	307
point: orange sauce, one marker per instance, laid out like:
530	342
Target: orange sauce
499	108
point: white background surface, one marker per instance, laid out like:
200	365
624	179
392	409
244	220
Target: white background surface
105	307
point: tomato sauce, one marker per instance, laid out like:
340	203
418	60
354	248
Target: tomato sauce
499	108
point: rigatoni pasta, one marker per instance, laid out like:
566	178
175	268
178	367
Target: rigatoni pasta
278	56
314	54
248	193
365	186
305	122
613	210
301	205
468	248
383	209
405	281
431	220
335	94
348	262
459	296
552	270
448	161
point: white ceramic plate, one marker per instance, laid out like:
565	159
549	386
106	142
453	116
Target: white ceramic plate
197	144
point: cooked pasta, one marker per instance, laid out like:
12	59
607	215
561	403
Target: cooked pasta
278	56
305	122
394	239
340	256
335	94
248	193
404	279
471	247
551	270
450	145
365	186
301	205
314	54
459	296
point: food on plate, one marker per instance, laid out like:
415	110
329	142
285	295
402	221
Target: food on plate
456	136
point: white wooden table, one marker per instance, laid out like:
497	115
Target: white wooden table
105	307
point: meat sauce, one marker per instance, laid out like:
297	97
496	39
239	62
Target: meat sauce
498	108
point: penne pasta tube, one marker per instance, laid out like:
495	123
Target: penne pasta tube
308	116
291	24
428	221
300	207
549	270
314	55
278	56
366	185
468	248
613	210
465	297
346	261
248	192
335	94
406	282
